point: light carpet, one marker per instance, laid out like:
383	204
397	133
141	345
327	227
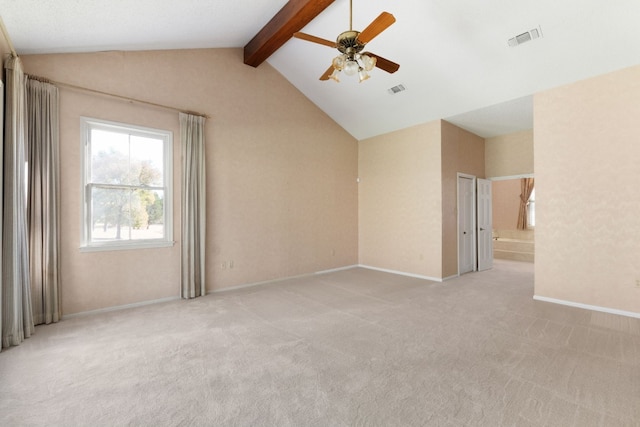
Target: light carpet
350	348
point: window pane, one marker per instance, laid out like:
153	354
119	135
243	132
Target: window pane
109	157
111	219
147	214
127	214
147	159
531	220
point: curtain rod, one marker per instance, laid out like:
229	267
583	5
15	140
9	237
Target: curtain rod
112	95
7	38
84	89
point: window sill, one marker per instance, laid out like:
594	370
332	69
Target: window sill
125	247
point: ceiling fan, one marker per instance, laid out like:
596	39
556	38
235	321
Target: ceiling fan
350	44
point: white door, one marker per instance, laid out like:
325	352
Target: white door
485	225
466	228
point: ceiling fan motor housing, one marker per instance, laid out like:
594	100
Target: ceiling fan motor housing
348	43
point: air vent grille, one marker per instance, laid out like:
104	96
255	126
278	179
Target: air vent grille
397	89
532	34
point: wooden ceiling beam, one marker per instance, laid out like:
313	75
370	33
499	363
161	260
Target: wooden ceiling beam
290	19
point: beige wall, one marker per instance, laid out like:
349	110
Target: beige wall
587	191
408	197
281	175
282	193
506	204
400	201
509	155
462	152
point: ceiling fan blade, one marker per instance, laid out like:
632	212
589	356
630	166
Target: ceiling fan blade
314	39
384	64
378	25
327	74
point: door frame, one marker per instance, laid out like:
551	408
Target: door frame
474	243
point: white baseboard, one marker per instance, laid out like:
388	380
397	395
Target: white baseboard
119	307
334	270
250	285
157	301
280	279
402	273
588	307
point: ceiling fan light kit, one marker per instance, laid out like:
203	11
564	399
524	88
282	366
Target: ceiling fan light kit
350	45
351	61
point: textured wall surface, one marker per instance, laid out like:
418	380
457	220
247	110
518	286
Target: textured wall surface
408	197
506	204
283	198
400	201
462	152
587	191
509	155
281	175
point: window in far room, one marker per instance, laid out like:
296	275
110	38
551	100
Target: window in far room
126	186
531	210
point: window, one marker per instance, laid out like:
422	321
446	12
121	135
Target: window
531	210
126	186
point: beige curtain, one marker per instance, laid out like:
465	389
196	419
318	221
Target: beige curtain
193	205
43	200
526	187
16	315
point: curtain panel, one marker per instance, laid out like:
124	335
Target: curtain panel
16	315
43	199
526	187
193	206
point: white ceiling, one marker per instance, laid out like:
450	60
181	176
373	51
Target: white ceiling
453	54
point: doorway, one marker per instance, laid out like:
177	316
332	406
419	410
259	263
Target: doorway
510	240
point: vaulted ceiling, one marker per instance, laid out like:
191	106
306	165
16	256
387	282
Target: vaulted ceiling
454	56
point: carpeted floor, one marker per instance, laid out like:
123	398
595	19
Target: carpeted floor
350	348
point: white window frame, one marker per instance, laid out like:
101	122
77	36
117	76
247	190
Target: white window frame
87	124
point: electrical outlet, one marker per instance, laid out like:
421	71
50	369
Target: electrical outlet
224	265
230	264
637	283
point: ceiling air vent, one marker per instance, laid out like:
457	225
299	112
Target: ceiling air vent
397	89
525	37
